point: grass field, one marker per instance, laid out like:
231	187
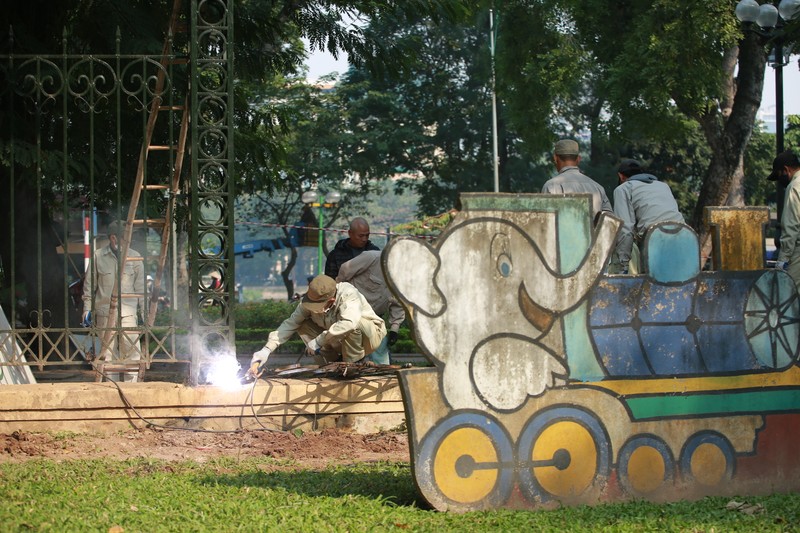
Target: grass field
269	495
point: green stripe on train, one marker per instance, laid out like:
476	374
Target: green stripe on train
727	403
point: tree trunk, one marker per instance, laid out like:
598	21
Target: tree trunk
287	272
728	129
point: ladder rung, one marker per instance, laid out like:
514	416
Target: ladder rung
171	108
131	295
150	222
161	147
134	259
155	187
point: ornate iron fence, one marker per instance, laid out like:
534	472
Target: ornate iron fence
73	127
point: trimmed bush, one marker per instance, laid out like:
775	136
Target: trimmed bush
254	321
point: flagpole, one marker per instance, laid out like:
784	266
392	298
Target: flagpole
495	158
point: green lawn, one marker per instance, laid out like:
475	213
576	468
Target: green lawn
267	495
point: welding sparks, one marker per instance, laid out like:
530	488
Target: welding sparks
223	372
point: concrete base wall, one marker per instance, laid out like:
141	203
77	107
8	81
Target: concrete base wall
364	405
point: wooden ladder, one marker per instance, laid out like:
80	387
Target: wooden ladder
156	107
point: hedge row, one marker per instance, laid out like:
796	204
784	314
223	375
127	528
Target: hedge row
254	321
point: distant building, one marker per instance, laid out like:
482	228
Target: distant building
767	118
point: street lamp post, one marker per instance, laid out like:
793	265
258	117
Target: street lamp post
311	198
767	20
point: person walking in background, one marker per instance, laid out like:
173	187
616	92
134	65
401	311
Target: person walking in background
566	156
357	241
640	201
97	290
785	170
366	274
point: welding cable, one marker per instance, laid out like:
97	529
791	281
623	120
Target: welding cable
130	406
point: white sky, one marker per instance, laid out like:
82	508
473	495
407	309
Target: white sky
322	63
791	88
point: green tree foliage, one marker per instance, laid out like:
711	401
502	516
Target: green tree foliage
638	72
431	121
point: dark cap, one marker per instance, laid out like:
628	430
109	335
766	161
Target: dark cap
320	290
115	227
567	147
629	167
784	159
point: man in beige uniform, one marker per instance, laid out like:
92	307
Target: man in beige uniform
98	286
335	322
786	169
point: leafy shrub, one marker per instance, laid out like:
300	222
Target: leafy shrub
255	320
268	314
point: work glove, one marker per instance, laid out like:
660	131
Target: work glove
258	361
312	348
624	272
782	265
260	357
393	336
86	319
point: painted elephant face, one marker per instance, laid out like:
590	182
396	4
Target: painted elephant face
483	300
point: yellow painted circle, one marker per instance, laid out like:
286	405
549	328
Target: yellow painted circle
708	464
578	476
479	483
646	469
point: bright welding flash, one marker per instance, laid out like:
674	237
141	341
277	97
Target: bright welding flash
223	372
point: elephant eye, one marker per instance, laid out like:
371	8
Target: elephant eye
504	265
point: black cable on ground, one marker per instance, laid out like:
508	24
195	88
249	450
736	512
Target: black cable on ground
250	395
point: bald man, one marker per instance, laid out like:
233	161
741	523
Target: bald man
357	241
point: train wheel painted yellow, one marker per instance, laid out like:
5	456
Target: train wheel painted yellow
466	462
708	459
454	465
563	455
645	465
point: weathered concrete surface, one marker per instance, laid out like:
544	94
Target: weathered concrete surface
365	405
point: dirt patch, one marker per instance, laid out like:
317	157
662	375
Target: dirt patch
309	450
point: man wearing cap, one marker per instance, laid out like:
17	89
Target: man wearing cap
98	286
335	322
566	156
640	201
785	170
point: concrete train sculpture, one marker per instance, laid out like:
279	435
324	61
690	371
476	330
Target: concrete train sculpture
554	383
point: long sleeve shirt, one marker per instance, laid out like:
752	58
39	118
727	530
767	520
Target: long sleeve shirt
341	318
641	202
100	281
366	274
790	222
571	180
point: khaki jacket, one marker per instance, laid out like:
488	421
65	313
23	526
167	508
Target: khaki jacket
349	308
100	282
790	222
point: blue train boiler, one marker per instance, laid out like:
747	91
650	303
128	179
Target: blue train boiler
678	321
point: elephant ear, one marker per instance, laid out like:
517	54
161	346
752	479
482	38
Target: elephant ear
410	266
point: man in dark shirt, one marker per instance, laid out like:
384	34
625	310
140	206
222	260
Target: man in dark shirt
346	249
